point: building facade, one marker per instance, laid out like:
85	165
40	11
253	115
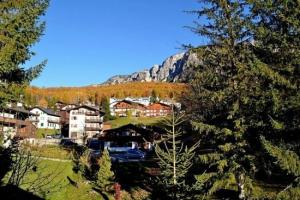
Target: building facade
14	121
85	122
158	110
141	107
124	108
130	137
45	118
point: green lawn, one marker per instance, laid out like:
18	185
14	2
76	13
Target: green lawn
42	132
56	177
121	121
59	178
50	151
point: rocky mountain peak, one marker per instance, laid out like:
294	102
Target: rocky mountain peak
176	68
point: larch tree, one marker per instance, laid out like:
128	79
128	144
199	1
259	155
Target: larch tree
175	159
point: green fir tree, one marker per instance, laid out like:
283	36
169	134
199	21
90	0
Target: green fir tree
105	176
276	31
20	29
175	160
245	90
153	97
219	93
105	107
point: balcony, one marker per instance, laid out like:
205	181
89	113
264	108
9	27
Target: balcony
78	113
53	121
92	129
93	120
12	121
92	113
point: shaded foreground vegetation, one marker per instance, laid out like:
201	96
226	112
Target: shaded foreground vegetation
138	181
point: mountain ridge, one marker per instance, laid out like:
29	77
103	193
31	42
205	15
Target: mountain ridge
176	68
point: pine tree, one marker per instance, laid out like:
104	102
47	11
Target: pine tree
106	108
20	29
219	92
277	46
175	159
246	88
105	176
153	97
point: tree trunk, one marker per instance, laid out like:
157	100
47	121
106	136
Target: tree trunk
174	148
241	186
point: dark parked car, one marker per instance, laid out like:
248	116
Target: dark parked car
95	144
57	136
132	155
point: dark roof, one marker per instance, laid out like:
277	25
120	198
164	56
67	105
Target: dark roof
61	102
20	110
146	133
164	104
87	107
131	102
48	111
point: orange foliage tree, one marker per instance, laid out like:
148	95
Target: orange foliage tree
95	93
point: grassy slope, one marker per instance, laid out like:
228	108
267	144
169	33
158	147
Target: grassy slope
59	187
121	121
42	132
50	151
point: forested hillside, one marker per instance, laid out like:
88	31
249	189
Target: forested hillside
48	96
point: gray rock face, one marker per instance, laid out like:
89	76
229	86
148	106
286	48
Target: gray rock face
176	68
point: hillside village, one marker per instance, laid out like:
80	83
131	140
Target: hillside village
77	123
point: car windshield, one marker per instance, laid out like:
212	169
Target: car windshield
134	151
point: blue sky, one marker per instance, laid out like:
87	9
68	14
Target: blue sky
86	42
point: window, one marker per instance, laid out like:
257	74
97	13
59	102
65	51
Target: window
73	135
74	118
42	124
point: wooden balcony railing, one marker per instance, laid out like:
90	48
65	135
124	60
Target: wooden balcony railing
13	121
93	120
92	128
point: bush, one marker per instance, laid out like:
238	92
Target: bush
139	194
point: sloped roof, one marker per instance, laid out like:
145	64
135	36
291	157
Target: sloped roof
146	133
48	111
20	110
87	107
154	105
131	102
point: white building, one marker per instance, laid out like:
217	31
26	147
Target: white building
45	118
85	122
